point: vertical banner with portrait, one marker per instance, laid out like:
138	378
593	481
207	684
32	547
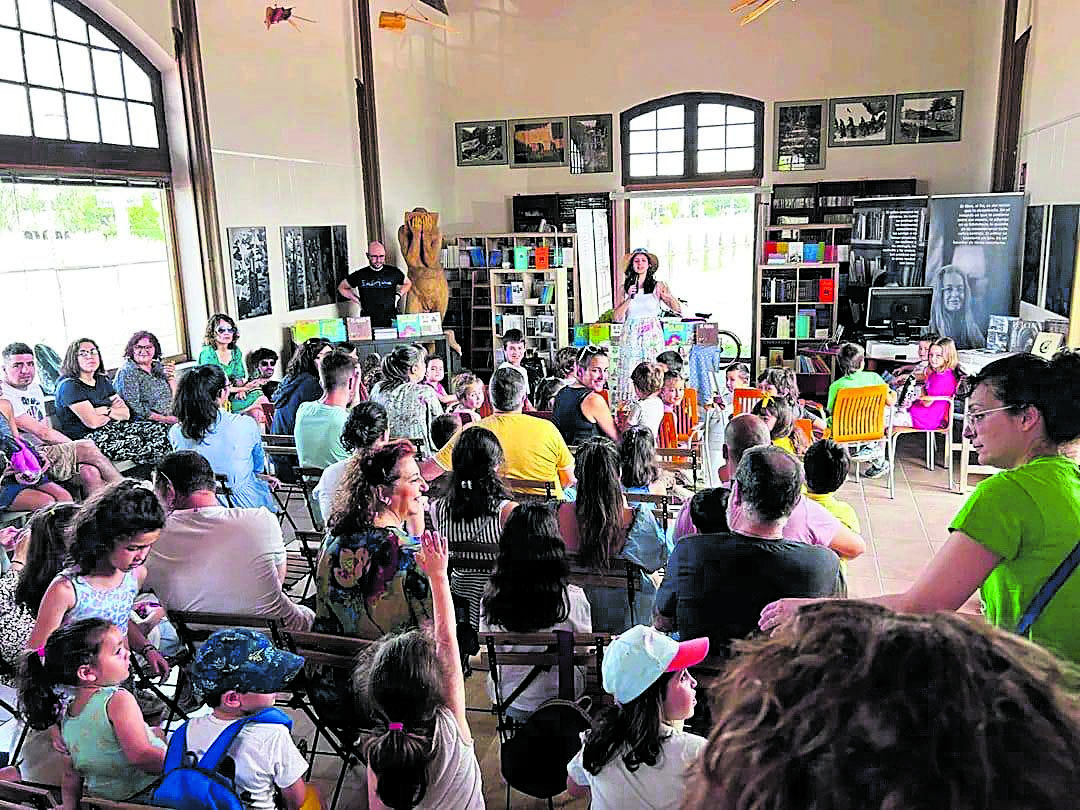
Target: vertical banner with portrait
973	263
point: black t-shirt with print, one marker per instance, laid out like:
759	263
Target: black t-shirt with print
377	290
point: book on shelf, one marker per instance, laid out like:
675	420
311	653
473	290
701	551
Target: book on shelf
805	323
567	257
521	258
826	290
542	257
783	326
476	257
794	252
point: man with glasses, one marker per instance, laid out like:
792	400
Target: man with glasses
580	411
67	460
377	287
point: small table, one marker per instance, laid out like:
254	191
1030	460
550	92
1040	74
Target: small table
384	347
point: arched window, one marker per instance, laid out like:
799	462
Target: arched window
693	136
85	220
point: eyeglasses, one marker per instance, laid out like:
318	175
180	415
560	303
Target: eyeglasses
88	352
225	330
976	419
141	348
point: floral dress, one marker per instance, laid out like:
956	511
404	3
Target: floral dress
236	371
642	340
16	624
410	410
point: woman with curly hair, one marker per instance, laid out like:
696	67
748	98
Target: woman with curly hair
951	312
875	709
145	381
299	385
365	428
88	407
410	405
368	583
476	509
220	349
530	592
230	442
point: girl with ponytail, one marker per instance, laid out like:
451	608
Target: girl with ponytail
114	754
422	755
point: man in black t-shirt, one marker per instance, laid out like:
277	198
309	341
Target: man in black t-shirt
716	584
377	287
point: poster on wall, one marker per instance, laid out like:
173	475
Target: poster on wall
798	129
250	271
973	263
888	241
594	263
316	259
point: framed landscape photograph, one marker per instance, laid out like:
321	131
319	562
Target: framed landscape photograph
537	142
798	130
481	143
590	144
860	121
929	117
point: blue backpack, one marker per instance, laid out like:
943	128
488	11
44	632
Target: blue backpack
188	785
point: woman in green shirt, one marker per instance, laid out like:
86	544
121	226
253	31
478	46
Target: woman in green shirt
220	348
1023	416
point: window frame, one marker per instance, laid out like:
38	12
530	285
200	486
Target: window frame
690	175
78	157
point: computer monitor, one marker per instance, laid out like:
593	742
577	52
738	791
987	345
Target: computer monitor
899	308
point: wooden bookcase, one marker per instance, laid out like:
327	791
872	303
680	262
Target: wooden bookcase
496	297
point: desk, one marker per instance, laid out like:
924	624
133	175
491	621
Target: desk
384	347
973	361
898	352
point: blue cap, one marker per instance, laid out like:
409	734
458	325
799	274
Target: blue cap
635	660
244	661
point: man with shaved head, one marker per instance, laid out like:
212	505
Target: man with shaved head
376	288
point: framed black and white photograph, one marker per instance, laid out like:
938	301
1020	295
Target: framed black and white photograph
590	144
250	271
316	259
798	135
481	143
438	5
928	117
860	121
537	142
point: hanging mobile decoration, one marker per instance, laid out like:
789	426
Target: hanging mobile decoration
276	14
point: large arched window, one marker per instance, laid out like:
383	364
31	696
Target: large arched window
693	136
85	221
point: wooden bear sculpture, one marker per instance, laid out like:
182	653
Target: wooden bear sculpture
421	240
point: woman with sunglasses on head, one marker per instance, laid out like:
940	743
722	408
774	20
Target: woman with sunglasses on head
220	349
88	407
642	337
580	411
1020	525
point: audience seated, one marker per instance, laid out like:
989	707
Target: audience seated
778	413
213	558
782	382
27	488
88	407
410	405
717	584
850	362
368	581
648	379
913	407
530	592
220	349
300	384
443	428
599	528
319	423
638	469
580	411
546	390
475	509
875	709
469	390
365	427
80	461
230	442
146	382
826	465
533	447
261	364
434	374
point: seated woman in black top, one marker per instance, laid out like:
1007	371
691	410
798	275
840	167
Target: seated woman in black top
88	407
580	411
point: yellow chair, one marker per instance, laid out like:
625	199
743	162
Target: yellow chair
744	400
859	416
931	443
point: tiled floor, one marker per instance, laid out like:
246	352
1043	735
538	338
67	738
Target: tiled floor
901	535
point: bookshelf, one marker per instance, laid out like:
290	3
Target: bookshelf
517	280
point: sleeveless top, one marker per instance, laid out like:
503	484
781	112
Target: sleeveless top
484	529
96	753
568	418
112	605
644	305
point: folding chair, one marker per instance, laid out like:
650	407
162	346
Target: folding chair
621	574
309	479
663	505
16	717
859	416
280	451
896	431
33	796
336	653
806	428
681	458
301	564
686	416
527	488
223	488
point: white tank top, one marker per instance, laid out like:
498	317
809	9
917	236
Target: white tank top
643	305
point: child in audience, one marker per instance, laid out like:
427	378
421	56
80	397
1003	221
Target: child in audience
565	361
110	537
442	428
917	370
530	592
239	673
671	360
673	391
627	415
113	753
433	378
736	375
637	462
546	391
648	379
469	390
778	414
637	755
513	342
370	374
940	381
784	383
826	465
850	361
424	756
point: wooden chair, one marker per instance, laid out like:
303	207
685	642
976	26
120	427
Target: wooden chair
549	415
301	563
621	574
223	489
687	459
527	488
859	416
667	437
896	431
745	399
473	556
16	717
268	411
665	507
275	450
37	797
97	803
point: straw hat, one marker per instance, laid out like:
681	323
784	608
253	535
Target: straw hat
654	262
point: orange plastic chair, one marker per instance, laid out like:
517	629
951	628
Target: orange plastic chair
859	416
668	435
686	415
745	399
806	428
